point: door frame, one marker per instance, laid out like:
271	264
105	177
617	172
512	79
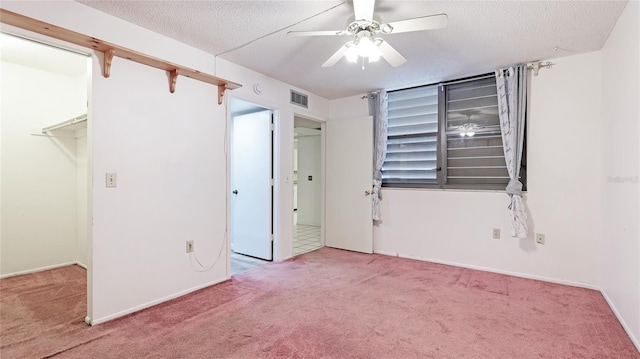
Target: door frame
275	165
245	156
323	194
93	61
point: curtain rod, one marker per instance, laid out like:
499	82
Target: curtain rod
535	66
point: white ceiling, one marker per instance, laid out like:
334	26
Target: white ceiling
481	36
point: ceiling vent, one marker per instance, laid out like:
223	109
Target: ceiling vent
299	99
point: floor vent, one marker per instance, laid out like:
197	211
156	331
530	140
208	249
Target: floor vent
299	99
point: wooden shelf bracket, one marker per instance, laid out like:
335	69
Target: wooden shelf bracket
173	78
110	50
221	89
108	58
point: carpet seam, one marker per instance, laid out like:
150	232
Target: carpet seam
75	346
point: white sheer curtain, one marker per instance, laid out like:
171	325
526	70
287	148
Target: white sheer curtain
512	104
378	109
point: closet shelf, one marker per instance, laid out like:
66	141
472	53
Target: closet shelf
110	50
72	124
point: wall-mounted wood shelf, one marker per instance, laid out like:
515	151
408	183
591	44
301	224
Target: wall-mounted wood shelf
110	50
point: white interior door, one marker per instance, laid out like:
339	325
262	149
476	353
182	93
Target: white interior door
251	173
349	164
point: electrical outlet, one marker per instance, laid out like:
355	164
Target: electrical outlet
112	180
189	246
540	238
496	233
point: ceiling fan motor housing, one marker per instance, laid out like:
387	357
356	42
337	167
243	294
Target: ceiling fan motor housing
372	27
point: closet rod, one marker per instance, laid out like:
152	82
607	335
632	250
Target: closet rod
70	122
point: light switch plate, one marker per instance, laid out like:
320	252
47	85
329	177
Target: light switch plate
112	180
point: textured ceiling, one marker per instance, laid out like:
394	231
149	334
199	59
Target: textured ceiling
481	36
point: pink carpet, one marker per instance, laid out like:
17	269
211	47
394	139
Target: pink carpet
324	304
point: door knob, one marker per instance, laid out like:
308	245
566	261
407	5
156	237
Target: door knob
366	193
235	191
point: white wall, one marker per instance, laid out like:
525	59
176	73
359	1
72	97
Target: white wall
620	249
168	152
563	196
38	172
309	192
348	107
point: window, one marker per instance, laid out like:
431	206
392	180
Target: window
446	136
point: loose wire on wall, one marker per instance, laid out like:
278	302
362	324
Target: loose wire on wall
193	255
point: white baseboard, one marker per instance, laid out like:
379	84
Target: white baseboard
634	340
146	305
81	265
515	274
385	253
40	269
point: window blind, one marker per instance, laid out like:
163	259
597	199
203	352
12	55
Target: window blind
412	148
476	159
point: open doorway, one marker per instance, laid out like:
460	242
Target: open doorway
308	185
45	169
252	186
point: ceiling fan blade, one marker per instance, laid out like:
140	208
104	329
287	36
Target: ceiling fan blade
363	9
317	33
420	23
336	56
390	54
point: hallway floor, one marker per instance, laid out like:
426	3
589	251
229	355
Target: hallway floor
241	263
306	238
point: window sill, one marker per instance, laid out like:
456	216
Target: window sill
445	189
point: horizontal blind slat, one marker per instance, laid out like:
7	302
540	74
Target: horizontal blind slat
412	147
392	115
408	165
406	156
413	129
410	174
412	102
411	120
408	140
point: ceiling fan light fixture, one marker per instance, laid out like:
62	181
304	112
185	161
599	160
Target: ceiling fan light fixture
365	47
352	55
468	129
365	26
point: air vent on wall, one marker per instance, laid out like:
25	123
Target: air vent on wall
299	99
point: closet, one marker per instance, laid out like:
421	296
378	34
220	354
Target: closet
44	171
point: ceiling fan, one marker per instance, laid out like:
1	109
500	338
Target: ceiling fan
365	30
